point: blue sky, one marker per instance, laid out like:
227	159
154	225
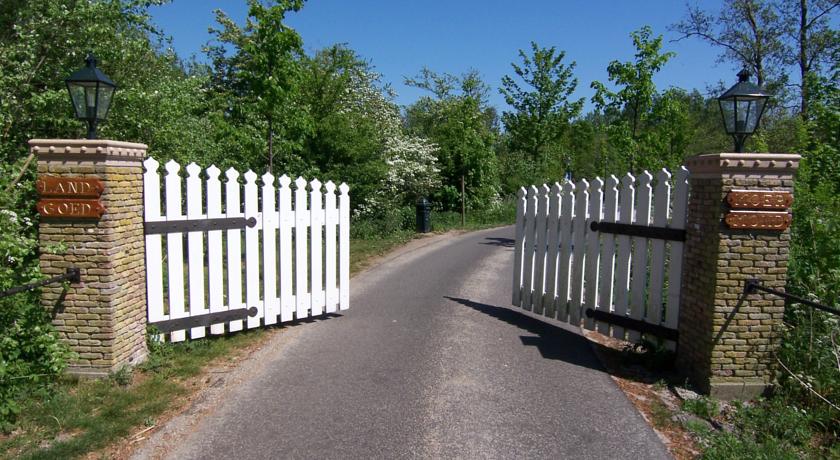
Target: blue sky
400	36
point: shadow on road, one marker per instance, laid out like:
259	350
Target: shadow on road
552	342
503	242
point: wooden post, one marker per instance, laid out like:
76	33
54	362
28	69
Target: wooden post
463	204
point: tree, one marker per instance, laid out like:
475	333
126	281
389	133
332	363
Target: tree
41	43
750	32
257	67
769	36
628	110
543	111
458	120
815	42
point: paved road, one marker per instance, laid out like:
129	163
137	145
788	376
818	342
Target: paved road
428	363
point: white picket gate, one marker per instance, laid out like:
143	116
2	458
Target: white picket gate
623	275
296	260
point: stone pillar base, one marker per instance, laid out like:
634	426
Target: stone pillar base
744	390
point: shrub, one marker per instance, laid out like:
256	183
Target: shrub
31	355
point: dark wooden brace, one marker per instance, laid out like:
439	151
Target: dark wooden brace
209	319
659	233
635	324
198	225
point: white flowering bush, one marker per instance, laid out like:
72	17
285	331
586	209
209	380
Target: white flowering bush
412	168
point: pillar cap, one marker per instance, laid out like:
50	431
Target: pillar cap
58	149
750	164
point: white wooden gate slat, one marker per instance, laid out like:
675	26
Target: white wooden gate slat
175	248
270	222
661	206
518	248
678	216
529	248
233	209
565	236
540	254
330	225
607	268
553	223
640	253
154	243
344	246
301	252
215	267
578	251
286	217
593	251
316	215
627	197
252	251
195	248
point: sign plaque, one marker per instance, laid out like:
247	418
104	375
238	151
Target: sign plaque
759	199
758	220
70	208
70	197
77	187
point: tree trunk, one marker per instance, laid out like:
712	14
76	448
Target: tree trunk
803	57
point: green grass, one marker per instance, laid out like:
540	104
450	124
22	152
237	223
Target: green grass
363	250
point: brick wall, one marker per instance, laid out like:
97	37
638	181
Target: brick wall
103	319
727	340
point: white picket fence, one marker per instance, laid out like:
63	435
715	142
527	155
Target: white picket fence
562	267
296	260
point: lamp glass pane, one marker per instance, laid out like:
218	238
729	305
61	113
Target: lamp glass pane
727	109
77	94
756	108
105	94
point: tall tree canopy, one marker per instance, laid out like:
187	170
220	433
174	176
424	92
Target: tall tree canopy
542	109
257	67
459	121
635	111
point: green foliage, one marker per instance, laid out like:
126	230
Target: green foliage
645	129
257	69
31	355
542	110
463	127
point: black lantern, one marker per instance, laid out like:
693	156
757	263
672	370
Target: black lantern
91	92
742	106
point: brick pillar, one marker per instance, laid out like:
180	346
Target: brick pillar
726	340
103	318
